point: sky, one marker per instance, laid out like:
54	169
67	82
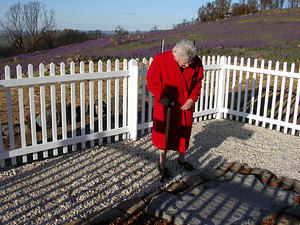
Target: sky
105	15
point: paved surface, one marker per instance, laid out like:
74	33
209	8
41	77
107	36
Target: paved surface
234	193
231	199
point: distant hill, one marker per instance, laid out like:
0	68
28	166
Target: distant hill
271	35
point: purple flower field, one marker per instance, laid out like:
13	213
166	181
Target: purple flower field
271	35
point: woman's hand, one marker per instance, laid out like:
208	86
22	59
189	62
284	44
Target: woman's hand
187	105
165	102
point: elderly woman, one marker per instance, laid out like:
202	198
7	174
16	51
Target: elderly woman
174	78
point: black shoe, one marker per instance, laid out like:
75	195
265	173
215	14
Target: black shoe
186	165
166	172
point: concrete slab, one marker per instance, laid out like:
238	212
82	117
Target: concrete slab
230	199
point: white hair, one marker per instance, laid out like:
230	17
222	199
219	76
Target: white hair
184	48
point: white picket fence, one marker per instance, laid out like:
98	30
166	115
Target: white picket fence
102	107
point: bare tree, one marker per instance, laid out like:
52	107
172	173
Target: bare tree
37	21
154	28
222	8
293	3
14	26
281	3
207	13
252	5
120	31
26	25
266	4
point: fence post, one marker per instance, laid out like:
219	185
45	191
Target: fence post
221	88
133	99
162	47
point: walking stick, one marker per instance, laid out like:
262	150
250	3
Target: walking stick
166	142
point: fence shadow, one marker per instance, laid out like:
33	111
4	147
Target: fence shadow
211	136
232	199
68	186
80	182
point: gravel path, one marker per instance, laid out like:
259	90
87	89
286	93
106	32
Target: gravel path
62	189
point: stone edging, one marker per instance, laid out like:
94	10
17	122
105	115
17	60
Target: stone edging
135	205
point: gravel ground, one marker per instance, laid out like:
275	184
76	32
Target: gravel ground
62	189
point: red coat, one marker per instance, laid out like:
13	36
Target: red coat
165	79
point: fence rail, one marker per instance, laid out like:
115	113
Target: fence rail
48	115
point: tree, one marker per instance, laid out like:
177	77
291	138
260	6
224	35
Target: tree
69	36
154	28
235	10
266	4
48	40
37	21
222	8
98	34
207	13
281	2
120	31
252	5
26	25
244	8
94	34
294	3
14	27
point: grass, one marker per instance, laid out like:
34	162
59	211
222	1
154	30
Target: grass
269	35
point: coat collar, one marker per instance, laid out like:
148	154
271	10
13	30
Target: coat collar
187	73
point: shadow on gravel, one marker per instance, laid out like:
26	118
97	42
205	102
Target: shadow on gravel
67	187
210	137
233	198
231	194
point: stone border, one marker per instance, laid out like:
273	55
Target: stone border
133	206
